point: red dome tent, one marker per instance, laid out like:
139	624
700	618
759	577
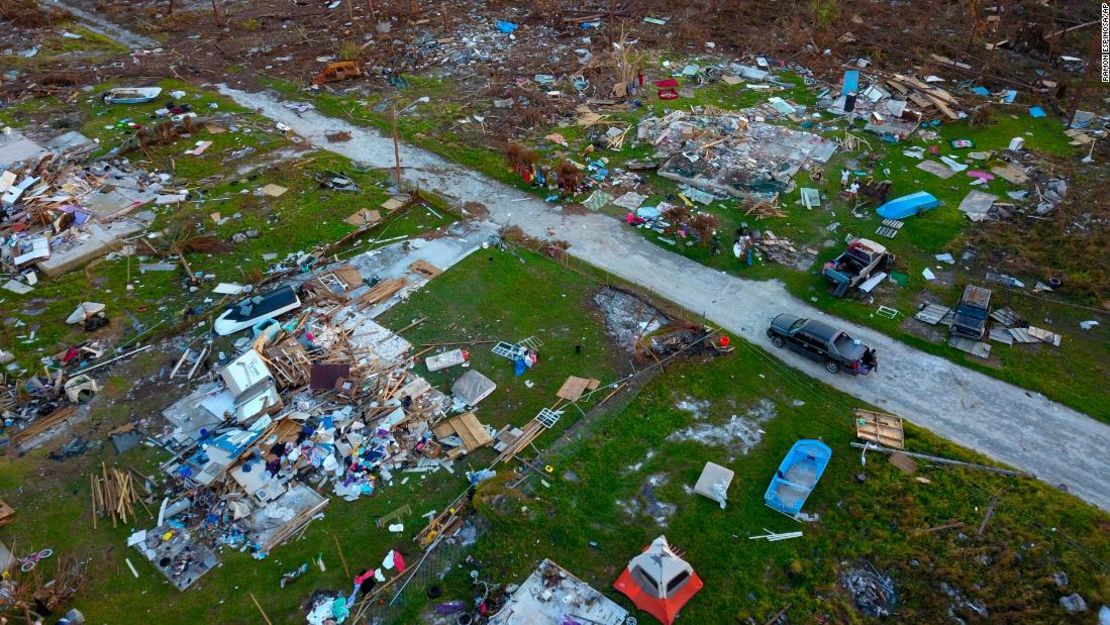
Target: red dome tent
659	582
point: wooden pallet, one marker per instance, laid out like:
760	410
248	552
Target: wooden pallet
877	427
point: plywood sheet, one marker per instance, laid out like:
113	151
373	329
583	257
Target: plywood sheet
575	387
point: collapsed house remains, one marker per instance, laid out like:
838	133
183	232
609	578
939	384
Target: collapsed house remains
734	154
59	213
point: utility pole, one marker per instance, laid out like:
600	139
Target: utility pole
1092	60
373	12
994	47
396	148
216	13
351	10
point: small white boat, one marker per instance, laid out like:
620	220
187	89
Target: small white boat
254	310
132	95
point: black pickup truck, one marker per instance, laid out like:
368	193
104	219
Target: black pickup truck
970	318
822	343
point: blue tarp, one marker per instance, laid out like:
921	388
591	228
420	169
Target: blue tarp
907	205
505	27
1036	111
980	91
851	82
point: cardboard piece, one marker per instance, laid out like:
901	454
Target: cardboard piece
364	217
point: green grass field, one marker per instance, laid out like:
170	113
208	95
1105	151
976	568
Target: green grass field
494	294
583	519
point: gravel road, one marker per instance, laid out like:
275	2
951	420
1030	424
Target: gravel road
1059	445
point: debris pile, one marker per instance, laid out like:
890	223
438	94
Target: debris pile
734	154
326	403
58	214
871	591
550	593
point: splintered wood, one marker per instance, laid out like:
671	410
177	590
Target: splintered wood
6	513
114	496
289	362
764	209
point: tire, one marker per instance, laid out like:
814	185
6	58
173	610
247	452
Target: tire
832	367
778	342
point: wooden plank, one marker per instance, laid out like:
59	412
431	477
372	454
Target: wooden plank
43	424
572	389
471	431
947	526
987	516
425	269
903	462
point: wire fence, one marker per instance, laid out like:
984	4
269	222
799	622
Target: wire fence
431	568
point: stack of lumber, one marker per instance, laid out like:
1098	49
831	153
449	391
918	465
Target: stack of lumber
114	496
924	95
43	424
381	292
530	432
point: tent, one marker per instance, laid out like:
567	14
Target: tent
659	582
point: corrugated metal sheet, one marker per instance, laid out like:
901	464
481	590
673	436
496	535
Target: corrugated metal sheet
1002	335
932	313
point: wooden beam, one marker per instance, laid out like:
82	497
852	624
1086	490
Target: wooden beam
988	515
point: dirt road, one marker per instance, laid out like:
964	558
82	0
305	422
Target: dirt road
103	27
1057	444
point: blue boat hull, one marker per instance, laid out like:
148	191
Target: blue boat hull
797	476
907	205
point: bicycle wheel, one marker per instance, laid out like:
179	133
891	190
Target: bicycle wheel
28	566
45	553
